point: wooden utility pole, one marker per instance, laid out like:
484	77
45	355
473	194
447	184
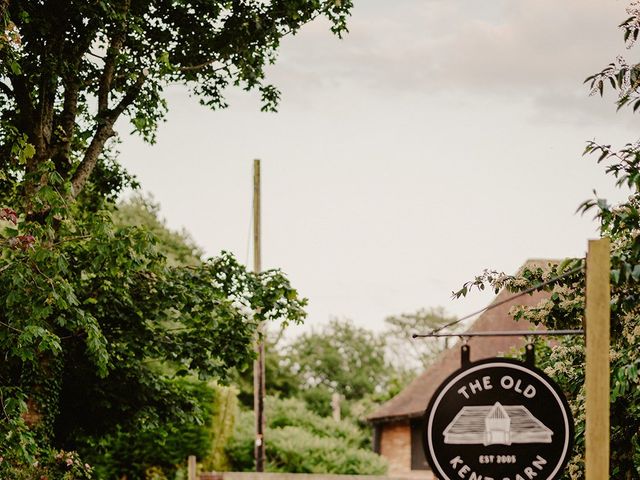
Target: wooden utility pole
597	319
258	364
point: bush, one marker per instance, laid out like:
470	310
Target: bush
222	421
299	441
318	400
156	451
299	451
50	465
294	413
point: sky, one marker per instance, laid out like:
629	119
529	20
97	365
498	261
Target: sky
437	139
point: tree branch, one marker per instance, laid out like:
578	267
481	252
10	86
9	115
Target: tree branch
107	117
111	61
208	63
95	55
70	108
65	124
103	133
129	97
44	114
44	110
200	66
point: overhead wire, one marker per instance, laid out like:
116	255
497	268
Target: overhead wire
529	290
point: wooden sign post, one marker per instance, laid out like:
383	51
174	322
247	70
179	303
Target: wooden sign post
597	316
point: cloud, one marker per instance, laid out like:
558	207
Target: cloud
533	50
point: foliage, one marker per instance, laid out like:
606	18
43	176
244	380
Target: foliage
95	327
53	465
311	367
565	361
69	73
619	74
300	441
294	413
281	380
17	441
158	449
221	424
178	247
341	358
400	329
302	435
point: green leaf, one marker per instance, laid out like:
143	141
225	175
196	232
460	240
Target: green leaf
615	276
15	67
635	274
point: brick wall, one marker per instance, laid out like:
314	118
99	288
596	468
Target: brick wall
395	446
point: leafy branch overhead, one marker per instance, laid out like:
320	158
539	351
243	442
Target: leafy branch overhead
70	70
619	74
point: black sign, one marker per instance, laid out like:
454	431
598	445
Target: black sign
498	419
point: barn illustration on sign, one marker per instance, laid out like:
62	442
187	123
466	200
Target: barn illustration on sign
496	424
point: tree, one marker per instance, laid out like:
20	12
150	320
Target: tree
178	247
70	70
404	347
95	324
565	361
281	379
96	329
340	358
312	368
158	449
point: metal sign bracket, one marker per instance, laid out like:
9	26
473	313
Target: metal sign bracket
530	354
464	354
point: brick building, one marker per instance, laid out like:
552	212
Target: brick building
398	425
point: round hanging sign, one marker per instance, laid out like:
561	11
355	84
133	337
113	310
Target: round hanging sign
498	419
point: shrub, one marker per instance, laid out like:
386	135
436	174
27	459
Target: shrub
156	449
299	441
50	465
294	413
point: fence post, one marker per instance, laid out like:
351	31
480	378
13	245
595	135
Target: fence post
191	468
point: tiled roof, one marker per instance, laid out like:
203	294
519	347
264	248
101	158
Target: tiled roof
413	399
